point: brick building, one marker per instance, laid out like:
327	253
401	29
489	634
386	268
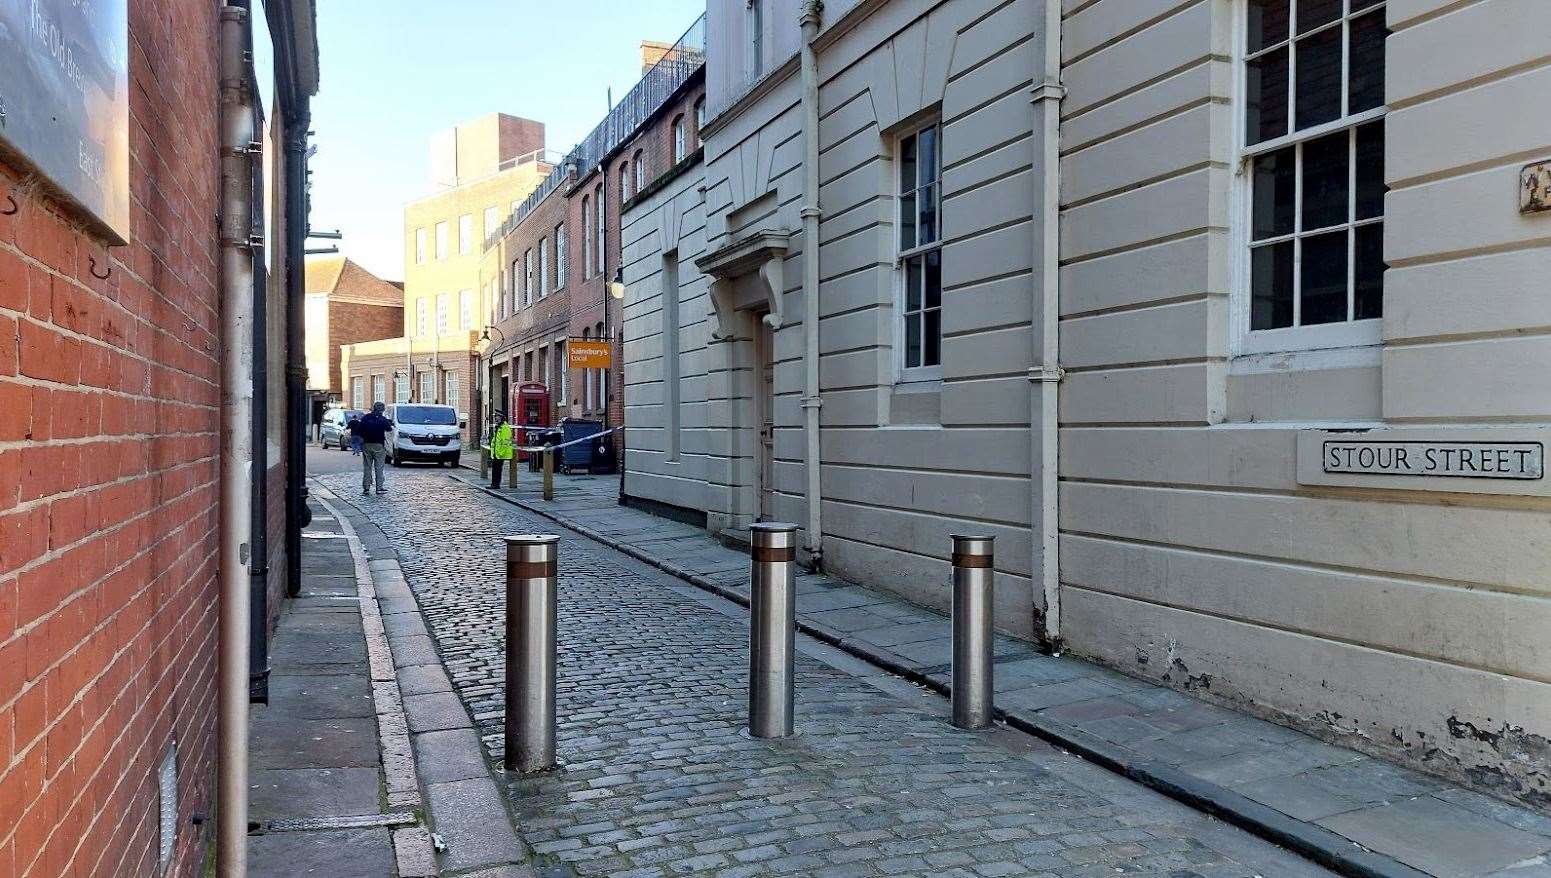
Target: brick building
111	381
345	304
548	280
482	170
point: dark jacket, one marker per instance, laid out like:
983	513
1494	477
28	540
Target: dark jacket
372	428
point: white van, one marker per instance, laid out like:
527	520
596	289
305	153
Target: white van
423	432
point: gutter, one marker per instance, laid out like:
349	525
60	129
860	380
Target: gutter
236	494
1046	374
811	399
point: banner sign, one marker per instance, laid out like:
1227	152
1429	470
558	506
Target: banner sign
64	102
587	354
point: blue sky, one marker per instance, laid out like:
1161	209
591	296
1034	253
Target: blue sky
395	71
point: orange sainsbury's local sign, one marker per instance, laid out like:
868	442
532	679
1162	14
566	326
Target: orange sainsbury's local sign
587	354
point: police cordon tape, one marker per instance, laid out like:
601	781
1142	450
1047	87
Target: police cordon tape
540	449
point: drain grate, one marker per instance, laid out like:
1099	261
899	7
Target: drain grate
313	824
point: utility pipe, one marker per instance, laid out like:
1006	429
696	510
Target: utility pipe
298	408
812	11
1046	374
236	497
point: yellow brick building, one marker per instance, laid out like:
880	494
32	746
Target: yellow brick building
481	171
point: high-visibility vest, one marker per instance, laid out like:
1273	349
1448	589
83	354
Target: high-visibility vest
501	443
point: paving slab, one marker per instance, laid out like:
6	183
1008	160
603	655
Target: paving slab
353	853
323	696
1439	838
279	793
461	810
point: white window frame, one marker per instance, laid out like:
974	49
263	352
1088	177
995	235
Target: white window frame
420	242
465	234
639	163
602	230
422	318
466	310
527	277
586	237
441	240
905	373
453	394
680	140
443	313
1350	334
400	389
699	118
587	377
358	393
427	387
561	257
492	220
624	182
563	366
379	389
543	267
755	29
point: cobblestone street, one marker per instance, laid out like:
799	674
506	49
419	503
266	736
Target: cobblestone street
658	779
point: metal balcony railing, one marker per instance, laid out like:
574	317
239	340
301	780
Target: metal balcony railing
656	87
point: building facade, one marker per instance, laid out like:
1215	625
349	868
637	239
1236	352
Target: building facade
345	304
113	579
551	277
484	169
1178	301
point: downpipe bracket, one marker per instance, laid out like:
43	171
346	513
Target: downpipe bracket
1047	374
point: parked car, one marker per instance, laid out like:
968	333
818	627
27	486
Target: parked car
422	431
333	430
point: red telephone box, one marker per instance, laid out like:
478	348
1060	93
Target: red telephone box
531	410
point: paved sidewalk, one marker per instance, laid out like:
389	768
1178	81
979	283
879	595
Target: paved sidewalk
1332	804
658	779
335	791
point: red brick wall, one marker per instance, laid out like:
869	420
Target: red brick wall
350	322
108	541
535	326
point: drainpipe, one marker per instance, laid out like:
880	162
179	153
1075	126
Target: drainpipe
811	14
298	407
258	587
1046	373
237	133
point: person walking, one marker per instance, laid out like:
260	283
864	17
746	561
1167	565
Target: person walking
372	430
355	439
501	448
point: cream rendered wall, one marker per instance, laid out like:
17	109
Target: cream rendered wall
903	465
315	317
670	221
1409	623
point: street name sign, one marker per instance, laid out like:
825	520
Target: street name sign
64	102
1487	460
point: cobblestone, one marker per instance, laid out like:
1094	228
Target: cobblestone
657	777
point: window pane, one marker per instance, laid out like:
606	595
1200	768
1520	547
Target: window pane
907	163
1265	109
912	340
1370	271
932	355
1370	170
928	202
1366	89
1326	163
1275	193
934	279
913	277
1319	78
1313	13
1271	272
1360	5
907	221
1267	23
1324	279
926	166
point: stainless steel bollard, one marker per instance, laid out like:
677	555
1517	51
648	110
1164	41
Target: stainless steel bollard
973	597
531	561
772	624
